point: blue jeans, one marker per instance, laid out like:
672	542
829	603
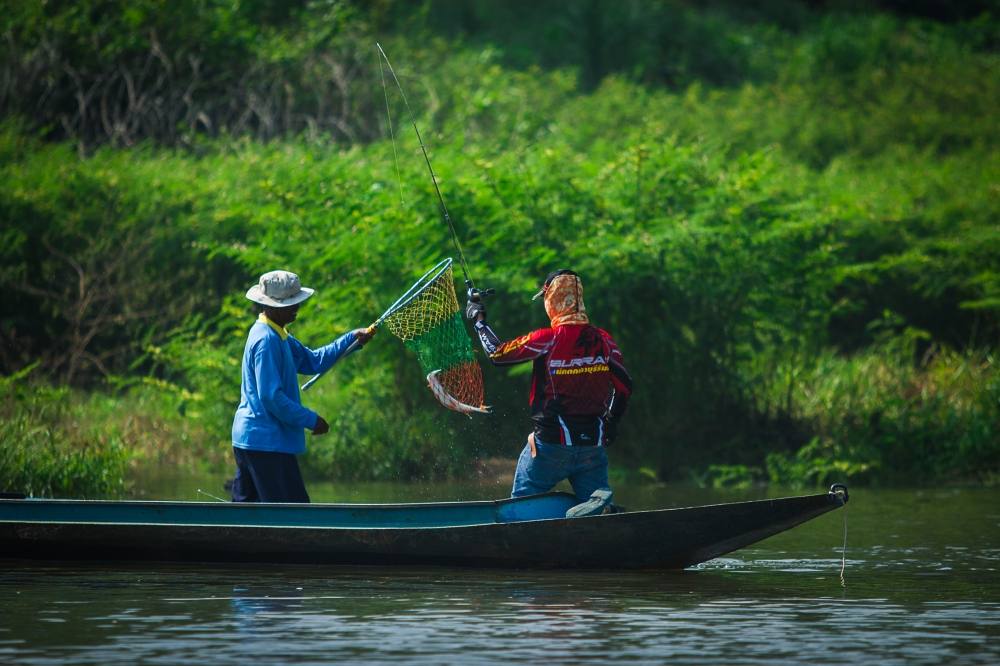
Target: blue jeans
586	467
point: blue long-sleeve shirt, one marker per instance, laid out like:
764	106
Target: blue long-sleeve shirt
271	416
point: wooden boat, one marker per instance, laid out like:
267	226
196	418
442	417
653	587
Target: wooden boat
524	532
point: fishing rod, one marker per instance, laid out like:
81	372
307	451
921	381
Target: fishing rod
474	294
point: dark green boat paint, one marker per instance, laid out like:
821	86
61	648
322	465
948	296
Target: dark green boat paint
525	532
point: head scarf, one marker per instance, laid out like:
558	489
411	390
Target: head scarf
564	301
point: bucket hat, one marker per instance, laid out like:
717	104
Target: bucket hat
279	289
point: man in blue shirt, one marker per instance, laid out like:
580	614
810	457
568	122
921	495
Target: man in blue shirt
270	423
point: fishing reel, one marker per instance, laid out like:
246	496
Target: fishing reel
475	311
476	295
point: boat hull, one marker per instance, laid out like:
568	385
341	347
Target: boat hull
526	533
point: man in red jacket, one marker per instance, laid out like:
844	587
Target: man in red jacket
579	390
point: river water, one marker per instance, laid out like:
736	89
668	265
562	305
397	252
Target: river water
921	586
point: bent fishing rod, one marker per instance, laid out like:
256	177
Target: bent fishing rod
475	295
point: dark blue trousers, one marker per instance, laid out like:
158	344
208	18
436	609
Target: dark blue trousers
264	476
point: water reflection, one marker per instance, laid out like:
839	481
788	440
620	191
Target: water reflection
248	602
922	587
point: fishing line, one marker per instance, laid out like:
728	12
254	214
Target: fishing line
392	134
427	159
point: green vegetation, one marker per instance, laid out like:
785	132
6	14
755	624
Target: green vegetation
786	218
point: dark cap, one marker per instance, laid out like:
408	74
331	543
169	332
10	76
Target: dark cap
548	280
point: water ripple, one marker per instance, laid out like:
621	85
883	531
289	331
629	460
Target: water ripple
921	588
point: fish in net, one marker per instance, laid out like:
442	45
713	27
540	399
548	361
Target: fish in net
429	322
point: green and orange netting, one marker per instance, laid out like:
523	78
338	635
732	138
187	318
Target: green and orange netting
430	324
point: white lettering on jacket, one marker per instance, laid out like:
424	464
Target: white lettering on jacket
577	362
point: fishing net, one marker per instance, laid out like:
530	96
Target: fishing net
428	321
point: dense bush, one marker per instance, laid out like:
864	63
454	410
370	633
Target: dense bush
784	256
102	71
877	417
53	448
724	263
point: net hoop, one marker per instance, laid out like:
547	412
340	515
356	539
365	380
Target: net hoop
428	320
421	285
418	287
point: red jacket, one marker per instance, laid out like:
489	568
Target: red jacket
579	385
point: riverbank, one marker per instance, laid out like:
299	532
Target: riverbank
872	423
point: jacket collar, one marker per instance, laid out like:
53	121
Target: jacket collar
280	330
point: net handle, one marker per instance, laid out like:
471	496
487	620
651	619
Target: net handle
417	288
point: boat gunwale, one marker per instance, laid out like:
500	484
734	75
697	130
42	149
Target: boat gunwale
250	525
309	506
395	505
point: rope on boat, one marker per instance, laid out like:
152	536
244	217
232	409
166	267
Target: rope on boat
840	490
217	499
843	552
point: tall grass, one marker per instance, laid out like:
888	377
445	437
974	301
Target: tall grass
877	417
54	448
62	442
